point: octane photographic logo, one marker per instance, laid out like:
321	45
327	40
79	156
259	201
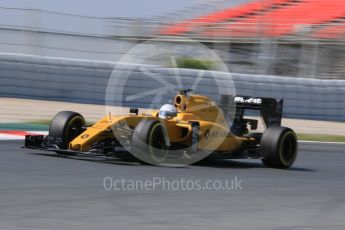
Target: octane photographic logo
148	77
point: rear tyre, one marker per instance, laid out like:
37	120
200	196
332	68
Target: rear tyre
66	125
148	142
278	147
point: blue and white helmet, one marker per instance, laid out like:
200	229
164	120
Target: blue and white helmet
167	111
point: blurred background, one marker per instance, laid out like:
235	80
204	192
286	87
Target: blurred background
291	49
300	38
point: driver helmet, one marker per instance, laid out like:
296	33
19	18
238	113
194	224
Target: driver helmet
167	111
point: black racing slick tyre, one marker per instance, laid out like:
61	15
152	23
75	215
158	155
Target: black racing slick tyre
66	125
149	143
278	147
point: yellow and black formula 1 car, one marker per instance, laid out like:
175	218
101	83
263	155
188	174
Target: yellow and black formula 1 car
190	129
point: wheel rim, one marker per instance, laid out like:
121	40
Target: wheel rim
157	146
288	148
73	128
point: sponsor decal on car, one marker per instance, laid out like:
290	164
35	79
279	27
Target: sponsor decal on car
250	100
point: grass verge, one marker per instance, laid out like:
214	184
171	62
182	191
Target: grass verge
321	137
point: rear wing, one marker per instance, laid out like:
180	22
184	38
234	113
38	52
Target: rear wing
270	110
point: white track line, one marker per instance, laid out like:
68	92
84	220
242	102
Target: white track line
10	137
7	136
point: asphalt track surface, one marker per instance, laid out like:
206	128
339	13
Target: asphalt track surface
45	191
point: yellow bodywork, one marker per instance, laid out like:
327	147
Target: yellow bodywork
214	131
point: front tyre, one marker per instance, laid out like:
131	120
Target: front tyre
66	125
149	143
278	147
